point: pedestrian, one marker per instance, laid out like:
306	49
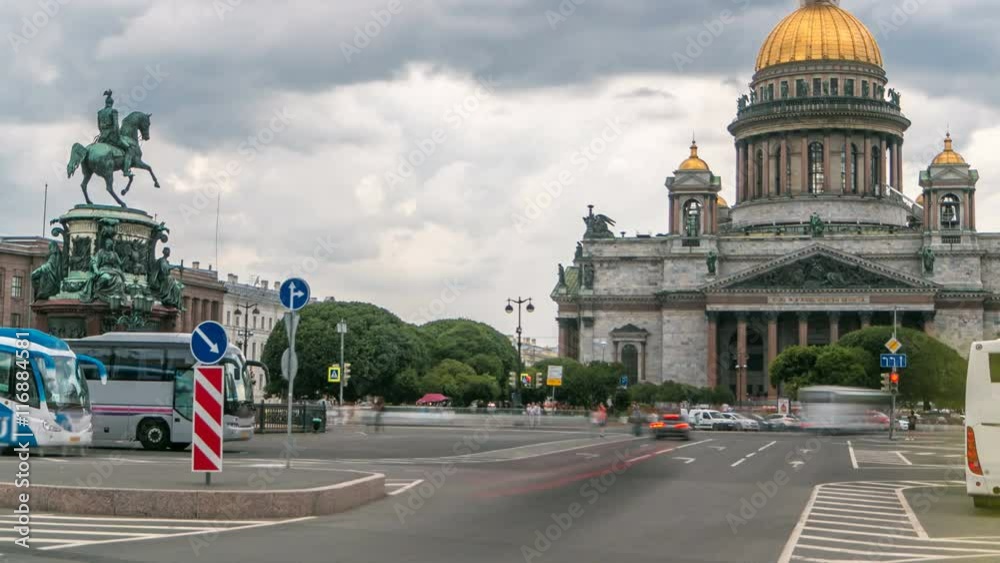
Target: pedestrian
636	419
602	418
378	407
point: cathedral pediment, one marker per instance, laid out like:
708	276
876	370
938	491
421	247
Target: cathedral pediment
819	268
949	174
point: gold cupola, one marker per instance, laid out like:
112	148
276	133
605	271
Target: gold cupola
948	155
693	162
820	30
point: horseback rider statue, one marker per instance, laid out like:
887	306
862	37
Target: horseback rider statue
115	148
107	124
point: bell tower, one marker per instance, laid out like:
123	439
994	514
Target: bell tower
949	195
694	198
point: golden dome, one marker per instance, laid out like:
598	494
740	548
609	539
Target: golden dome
693	162
819	30
920	200
722	202
948	156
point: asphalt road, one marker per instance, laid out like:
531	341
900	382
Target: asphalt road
533	496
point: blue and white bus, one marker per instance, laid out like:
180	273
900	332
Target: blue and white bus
41	382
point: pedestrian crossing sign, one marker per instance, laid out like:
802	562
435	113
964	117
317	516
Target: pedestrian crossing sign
333	374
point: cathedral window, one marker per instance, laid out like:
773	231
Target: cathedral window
784	89
817	86
630	359
855	165
770	92
876	166
849	87
801	90
816	171
950	207
865	90
777	171
692	218
834	86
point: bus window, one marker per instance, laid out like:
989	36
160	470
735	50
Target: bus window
138	364
102	355
995	368
184	393
6	363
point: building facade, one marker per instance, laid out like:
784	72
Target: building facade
19	256
822	238
251	312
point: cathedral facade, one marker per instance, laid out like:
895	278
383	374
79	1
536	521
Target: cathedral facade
821	239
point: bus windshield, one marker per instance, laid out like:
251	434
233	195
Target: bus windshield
64	386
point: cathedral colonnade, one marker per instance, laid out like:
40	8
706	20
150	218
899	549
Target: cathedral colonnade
742	345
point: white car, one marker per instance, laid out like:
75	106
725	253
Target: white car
745	423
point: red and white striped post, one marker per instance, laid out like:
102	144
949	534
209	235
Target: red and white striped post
206	443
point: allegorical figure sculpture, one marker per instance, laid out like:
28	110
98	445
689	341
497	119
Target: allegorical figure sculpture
712	261
107	278
598	226
47	278
816	225
927	255
115	148
562	276
165	287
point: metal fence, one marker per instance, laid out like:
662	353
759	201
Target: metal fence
273	417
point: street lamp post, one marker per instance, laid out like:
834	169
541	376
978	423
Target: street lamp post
342	329
741	377
245	336
520	367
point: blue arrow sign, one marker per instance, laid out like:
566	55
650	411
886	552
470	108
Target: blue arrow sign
892	361
209	342
294	293
623	381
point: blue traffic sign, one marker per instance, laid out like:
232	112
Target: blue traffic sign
892	361
209	342
294	293
623	381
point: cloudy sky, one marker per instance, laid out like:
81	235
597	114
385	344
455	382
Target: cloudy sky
426	155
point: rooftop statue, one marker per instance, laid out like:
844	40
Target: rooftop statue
598	226
116	148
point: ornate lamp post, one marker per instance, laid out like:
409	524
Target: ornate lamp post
243	337
520	367
741	378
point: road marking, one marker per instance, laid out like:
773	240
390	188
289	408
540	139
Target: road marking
796	464
850	449
738	462
58	530
588	455
402	486
902	457
686	460
719	448
888	531
668	450
767	446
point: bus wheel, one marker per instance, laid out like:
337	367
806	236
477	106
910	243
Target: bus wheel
179	446
154	435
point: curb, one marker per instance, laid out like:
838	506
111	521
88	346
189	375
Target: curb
199	504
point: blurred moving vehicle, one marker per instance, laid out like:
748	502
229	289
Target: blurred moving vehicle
671	425
829	408
742	422
783	423
41	383
982	424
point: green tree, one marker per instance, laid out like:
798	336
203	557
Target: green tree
586	386
644	393
447	378
936	372
406	388
487	364
378	345
463	340
840	365
794	368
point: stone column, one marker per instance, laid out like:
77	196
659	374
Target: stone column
935	210
783	166
827	181
882	162
750	194
834	327
772	351
972	210
741	172
866	320
929	328
768	181
671	220
563	339
706	217
899	165
206	312
866	183
894	176
848	163
712	359
195	312
965	214
642	361
741	356
186	315
803	329
804	164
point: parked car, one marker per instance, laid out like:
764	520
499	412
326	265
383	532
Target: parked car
711	420
671	425
743	422
784	423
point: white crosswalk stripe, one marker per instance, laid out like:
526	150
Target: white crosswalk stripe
881	457
52	531
871	521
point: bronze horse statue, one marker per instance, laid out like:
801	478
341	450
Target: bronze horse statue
104	159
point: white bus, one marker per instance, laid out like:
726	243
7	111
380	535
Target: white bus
40	371
148	397
828	408
982	424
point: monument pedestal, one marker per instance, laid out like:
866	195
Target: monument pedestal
106	277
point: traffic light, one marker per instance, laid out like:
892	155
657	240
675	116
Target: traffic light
886	382
525	380
347	371
539	381
894	381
